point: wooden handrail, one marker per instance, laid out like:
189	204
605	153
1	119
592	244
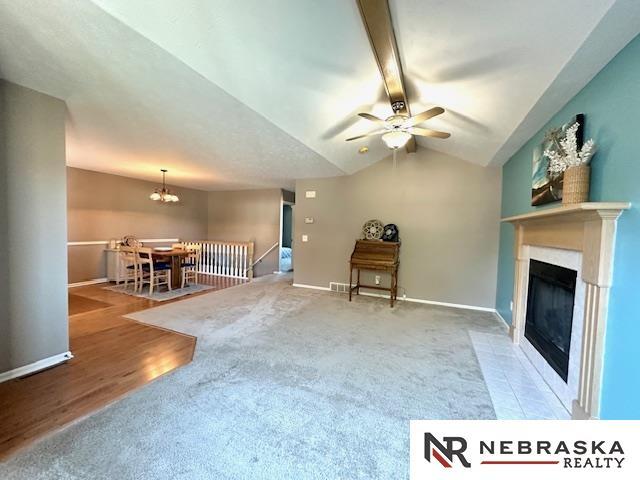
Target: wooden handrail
264	255
220	242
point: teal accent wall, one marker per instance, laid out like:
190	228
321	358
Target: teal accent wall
611	104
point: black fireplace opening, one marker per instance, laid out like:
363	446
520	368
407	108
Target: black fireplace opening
550	313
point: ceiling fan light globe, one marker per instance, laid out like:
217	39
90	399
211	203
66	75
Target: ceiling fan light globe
155	196
396	139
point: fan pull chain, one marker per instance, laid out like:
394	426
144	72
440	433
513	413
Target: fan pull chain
394	160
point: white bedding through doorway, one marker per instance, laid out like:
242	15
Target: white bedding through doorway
285	259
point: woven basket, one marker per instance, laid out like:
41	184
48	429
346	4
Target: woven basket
576	184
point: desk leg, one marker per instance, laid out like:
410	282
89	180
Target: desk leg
350	280
393	288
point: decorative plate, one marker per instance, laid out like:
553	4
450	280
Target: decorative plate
130	241
163	249
373	230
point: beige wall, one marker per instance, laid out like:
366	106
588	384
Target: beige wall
5	326
447	211
102	207
33	273
248	215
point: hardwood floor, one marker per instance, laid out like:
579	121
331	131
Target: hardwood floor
79	304
113	355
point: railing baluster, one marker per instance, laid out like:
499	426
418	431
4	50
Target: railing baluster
235	260
244	261
224	259
210	258
205	257
238	260
217	260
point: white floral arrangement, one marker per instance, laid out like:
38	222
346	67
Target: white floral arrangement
568	155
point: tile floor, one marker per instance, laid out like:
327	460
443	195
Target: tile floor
517	390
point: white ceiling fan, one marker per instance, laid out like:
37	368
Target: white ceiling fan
398	128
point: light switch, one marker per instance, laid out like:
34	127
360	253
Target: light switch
305	238
308	219
310	194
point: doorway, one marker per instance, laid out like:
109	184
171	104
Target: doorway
286	238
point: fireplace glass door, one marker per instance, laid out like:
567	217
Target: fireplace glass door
550	313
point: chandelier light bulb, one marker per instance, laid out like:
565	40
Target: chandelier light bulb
163	194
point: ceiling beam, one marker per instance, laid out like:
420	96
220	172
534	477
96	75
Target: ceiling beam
377	23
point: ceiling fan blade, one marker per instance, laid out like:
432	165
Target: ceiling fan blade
421	117
377	132
423	132
373	118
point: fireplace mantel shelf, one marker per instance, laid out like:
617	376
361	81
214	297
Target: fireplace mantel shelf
571	210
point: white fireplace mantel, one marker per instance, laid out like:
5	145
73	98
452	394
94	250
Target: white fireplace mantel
587	208
589	228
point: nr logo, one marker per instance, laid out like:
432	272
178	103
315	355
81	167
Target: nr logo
444	452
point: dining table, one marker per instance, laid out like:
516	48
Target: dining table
174	258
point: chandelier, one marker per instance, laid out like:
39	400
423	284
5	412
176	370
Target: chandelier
164	194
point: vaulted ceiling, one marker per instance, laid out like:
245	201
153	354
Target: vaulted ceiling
254	93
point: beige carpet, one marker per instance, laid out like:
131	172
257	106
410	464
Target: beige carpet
286	383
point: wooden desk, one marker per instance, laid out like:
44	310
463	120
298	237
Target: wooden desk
377	256
175	257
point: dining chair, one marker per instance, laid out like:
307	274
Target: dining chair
128	259
190	264
153	273
177	246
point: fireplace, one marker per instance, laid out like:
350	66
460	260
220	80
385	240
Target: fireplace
549	317
587	229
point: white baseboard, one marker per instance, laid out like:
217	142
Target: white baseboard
313	287
407	299
35	366
431	302
506	324
88	282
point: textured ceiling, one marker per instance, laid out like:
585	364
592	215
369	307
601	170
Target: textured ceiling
134	108
236	94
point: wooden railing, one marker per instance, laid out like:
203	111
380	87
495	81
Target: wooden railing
225	259
261	257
